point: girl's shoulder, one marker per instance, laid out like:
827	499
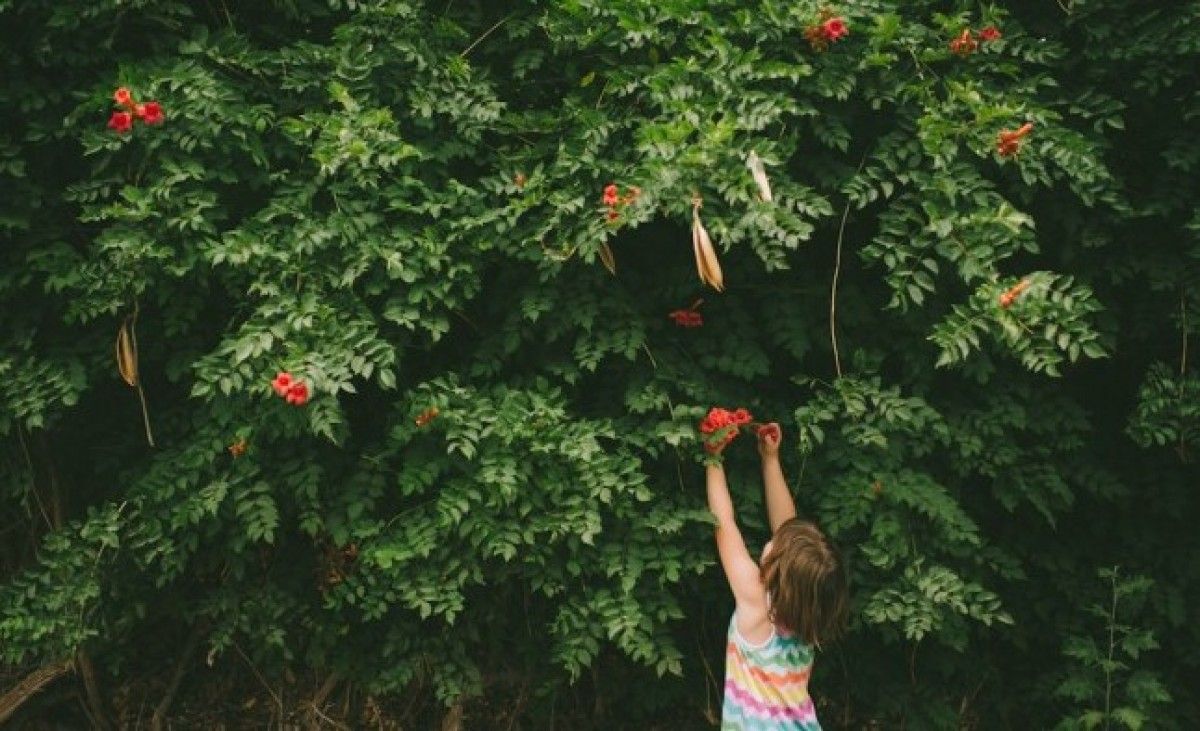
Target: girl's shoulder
776	643
751	627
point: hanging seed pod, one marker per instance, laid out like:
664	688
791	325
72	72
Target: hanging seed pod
607	259
706	257
127	360
127	365
760	176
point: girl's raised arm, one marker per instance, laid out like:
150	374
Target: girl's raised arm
780	506
740	569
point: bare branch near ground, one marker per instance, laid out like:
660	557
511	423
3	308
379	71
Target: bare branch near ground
30	686
94	700
164	705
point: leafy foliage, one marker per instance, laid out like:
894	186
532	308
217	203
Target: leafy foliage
1115	692
491	500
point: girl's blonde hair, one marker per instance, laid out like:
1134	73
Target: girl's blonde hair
806	580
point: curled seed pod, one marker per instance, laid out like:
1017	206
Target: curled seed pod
760	176
707	265
607	259
127	360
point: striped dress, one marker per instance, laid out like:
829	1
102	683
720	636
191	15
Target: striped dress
766	686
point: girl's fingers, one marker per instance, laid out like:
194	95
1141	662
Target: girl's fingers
769	433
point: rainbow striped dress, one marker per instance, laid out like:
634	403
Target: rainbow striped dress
766	686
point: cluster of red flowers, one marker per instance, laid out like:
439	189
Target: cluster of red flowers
829	28
690	317
612	199
968	41
293	390
121	121
426	416
1008	142
721	426
1012	293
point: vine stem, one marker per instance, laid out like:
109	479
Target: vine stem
145	413
837	269
1183	324
833	291
140	392
33	488
1183	351
486	33
1112	624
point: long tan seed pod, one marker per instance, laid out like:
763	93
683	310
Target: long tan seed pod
607	259
127	365
127	360
760	176
707	264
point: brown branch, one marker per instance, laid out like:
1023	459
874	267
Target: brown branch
321	696
261	679
30	686
160	711
453	719
94	700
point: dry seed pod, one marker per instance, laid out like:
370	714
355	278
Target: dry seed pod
127	360
706	257
760	176
607	259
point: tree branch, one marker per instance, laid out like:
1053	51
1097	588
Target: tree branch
30	686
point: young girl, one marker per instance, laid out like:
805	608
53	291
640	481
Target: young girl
790	601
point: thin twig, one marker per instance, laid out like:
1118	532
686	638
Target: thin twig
486	33
710	681
650	355
837	268
158	718
33	488
1112	622
469	321
145	413
138	379
332	722
1183	351
1182	448
261	679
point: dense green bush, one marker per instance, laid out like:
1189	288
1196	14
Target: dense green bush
491	502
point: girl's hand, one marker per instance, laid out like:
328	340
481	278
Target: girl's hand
714	444
769	437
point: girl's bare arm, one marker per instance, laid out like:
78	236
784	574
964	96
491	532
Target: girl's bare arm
740	569
780	506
